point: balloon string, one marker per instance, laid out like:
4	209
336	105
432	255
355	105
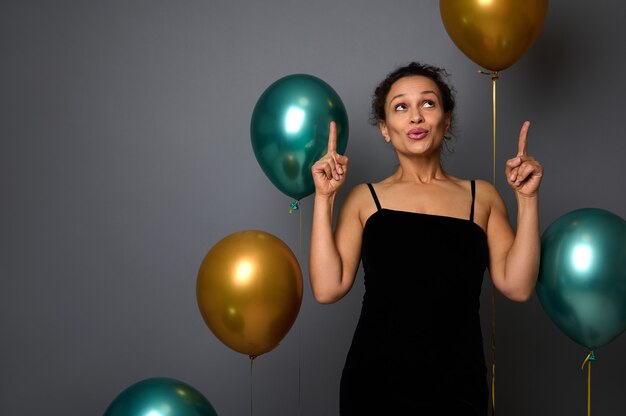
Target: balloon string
590	357
300	238
295	206
493	352
494	78
300	333
252	357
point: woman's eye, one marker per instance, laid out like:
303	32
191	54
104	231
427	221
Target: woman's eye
428	103
400	107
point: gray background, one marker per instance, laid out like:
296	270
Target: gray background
125	156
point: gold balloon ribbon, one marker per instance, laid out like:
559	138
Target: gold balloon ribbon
300	332
493	353
295	206
590	357
251	361
494	78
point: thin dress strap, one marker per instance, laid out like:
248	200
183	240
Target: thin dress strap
369	185
471	218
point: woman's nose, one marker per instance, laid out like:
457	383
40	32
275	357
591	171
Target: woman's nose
416	116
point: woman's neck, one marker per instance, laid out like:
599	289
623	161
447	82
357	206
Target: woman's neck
419	170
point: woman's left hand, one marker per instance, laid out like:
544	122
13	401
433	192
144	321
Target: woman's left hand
523	172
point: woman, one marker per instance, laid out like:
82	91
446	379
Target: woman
425	238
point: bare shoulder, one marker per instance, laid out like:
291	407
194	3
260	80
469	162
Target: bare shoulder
359	203
488	204
487	193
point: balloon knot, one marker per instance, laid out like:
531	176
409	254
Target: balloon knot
590	357
494	74
295	205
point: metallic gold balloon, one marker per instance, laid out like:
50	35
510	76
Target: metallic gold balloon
582	278
493	33
249	291
160	396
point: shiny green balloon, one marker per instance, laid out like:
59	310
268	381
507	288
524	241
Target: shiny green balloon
289	130
160	396
582	276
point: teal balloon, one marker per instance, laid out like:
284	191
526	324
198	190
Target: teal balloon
289	130
160	396
582	275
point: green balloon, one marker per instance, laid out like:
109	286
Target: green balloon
289	130
160	396
582	276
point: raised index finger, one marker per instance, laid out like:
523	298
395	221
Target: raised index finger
332	138
523	139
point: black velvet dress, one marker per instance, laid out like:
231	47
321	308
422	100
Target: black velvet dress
418	348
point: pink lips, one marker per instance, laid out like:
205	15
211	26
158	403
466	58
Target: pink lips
417	133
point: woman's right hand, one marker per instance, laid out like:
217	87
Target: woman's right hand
329	173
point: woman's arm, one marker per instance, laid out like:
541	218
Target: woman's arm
514	257
334	255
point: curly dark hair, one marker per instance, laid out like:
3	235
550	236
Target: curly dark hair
436	74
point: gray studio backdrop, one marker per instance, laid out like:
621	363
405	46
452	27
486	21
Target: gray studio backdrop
125	156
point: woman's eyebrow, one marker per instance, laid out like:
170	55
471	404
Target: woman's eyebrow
421	93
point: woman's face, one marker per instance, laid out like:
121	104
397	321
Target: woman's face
415	121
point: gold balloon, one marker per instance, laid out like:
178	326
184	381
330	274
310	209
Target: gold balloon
249	291
493	33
